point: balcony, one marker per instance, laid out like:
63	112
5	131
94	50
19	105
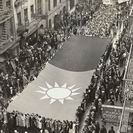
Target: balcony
18	3
21	28
5	45
5	15
31	26
7	36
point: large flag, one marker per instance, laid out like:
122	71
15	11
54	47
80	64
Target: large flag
55	94
108	2
122	1
58	90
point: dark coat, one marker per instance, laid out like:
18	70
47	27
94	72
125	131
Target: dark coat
103	130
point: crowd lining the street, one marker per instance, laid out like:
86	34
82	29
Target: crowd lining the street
106	85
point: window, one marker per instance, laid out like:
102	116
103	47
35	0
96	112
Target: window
11	26
64	9
60	13
1	28
132	12
39	6
55	3
19	18
26	15
8	4
32	10
49	5
50	25
72	4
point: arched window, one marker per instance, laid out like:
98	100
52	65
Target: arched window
49	5
54	3
72	3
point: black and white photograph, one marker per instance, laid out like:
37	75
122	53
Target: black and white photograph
66	66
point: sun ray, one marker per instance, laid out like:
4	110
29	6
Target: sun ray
45	97
45	89
71	87
42	92
75	89
67	92
69	98
52	101
75	93
61	101
56	85
48	85
64	86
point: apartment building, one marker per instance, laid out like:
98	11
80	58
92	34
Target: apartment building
55	8
27	15
7	28
20	15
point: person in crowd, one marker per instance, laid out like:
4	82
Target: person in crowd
111	130
103	129
97	130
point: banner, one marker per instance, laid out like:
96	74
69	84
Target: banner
111	114
121	1
108	2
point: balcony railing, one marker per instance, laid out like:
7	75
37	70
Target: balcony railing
31	26
18	3
4	45
5	15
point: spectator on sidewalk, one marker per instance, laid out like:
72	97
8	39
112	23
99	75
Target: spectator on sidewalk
103	129
97	127
111	130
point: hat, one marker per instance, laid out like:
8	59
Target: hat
15	131
41	131
99	99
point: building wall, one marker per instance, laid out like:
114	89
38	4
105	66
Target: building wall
54	10
58	9
26	4
7	29
41	4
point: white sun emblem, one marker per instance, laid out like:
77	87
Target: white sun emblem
57	93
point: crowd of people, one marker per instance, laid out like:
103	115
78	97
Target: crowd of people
104	19
26	66
106	82
106	85
35	123
36	51
31	59
100	21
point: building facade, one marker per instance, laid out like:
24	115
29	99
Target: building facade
27	14
56	8
20	15
16	17
7	28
